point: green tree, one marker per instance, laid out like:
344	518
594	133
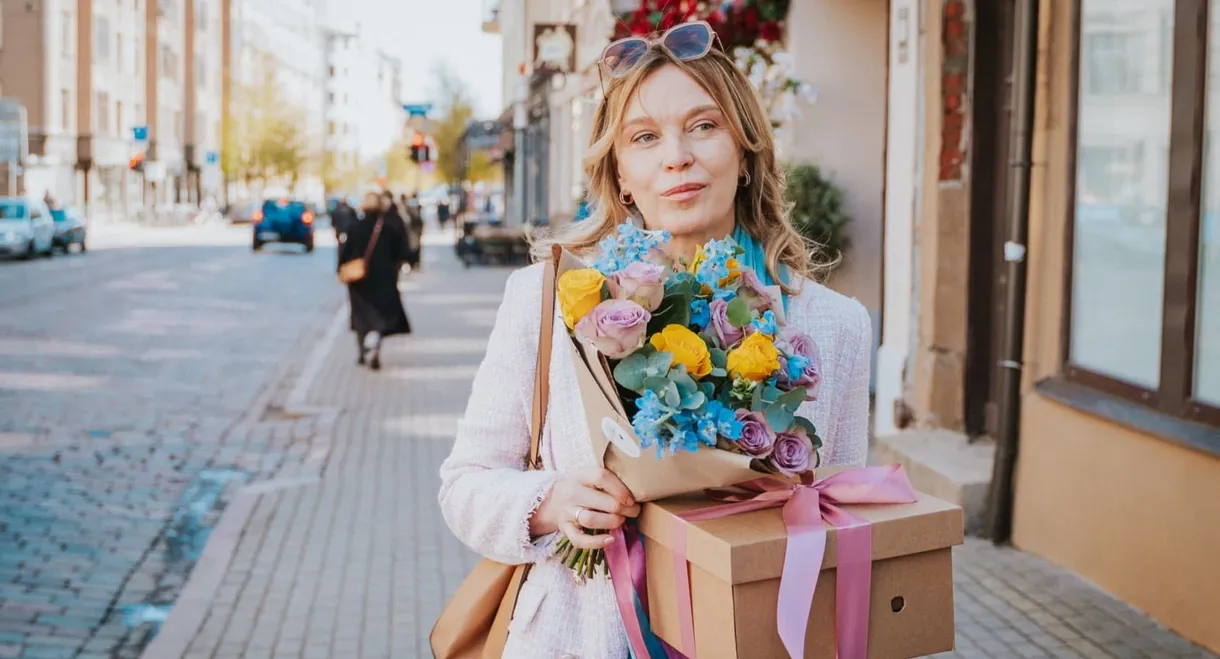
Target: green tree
263	138
482	168
454	110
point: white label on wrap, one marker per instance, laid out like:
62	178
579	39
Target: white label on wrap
621	439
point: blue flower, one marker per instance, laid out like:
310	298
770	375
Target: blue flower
627	245
688	434
766	324
796	366
724	419
650	419
700	313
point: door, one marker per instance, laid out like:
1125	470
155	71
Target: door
985	306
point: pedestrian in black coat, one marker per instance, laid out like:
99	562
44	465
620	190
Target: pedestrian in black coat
376	308
343	218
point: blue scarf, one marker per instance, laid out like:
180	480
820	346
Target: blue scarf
755	258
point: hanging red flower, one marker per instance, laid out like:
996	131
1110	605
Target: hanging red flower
739	23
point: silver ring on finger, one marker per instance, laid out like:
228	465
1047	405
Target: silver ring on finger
576	517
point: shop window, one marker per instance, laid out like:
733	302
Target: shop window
1144	308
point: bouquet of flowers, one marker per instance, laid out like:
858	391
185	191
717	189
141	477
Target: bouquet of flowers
702	363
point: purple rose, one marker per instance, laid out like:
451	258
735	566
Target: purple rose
759	296
616	328
809	378
757	439
720	326
793	452
641	282
794	342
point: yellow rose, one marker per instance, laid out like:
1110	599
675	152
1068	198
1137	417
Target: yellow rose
755	359
579	291
686	347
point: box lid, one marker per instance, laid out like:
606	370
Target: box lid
750	546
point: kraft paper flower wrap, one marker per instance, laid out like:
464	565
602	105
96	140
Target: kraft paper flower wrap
688	375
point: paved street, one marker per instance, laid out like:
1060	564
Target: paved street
144	388
126	374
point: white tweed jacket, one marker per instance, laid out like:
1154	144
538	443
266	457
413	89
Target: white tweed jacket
487	497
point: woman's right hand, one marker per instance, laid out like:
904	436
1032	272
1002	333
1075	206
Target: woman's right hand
586	499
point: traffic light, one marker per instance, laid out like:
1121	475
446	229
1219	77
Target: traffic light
419	151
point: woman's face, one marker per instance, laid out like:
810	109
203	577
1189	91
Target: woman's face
677	157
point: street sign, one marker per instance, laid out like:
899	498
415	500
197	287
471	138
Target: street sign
139	133
14	138
417	109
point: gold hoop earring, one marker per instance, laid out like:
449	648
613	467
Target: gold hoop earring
625	198
747	183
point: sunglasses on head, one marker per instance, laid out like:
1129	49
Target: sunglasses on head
685	42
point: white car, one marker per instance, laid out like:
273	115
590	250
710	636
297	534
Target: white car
26	227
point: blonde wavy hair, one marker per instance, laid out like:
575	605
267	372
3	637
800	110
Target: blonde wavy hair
760	206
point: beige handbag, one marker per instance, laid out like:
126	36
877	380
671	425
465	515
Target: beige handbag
357	269
474	624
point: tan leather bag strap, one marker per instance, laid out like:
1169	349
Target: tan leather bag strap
497	636
542	380
368	251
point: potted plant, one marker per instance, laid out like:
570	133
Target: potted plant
817	210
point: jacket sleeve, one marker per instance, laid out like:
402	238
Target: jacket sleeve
486	496
848	444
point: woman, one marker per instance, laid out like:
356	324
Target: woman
376	309
679	143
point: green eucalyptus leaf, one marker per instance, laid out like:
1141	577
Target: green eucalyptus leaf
720	358
719	372
738	313
656	385
779	418
672	398
792	399
659	362
694	400
630	373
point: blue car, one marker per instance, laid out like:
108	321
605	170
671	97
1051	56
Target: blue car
283	221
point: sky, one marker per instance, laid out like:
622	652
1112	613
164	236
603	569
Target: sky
452	32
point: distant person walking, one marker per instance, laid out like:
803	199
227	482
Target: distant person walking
442	212
376	308
343	219
415	227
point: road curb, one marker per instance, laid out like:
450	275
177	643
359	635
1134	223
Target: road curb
191	608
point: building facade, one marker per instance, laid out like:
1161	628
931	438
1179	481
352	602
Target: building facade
1052	305
363	105
284	41
91	72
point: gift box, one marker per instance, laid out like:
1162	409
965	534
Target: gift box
735	564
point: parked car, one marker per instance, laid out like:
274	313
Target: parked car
284	221
26	227
69	229
242	212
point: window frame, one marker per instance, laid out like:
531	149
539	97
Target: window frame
1183	222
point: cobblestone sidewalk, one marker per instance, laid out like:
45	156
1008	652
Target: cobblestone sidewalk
358	562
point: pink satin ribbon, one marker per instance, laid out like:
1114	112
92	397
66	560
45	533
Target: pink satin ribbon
807	509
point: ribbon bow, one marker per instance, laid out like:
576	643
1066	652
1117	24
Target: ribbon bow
807	508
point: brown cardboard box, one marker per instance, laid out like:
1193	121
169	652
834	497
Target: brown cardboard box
735	564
